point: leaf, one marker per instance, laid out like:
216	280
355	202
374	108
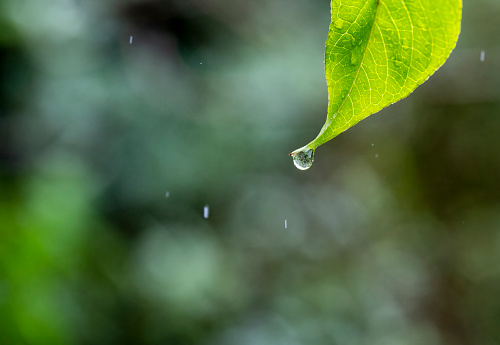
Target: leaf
377	53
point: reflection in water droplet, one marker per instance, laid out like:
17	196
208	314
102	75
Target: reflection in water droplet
205	212
303	158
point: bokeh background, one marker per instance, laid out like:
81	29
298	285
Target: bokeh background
110	149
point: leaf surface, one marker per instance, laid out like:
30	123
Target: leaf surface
377	53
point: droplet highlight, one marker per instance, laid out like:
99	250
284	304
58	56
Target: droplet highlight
303	158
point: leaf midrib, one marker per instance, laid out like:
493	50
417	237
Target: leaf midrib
327	124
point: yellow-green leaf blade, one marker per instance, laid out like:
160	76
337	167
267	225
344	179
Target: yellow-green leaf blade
379	51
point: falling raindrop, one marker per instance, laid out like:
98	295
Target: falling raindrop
205	212
131	39
373	144
167	194
483	55
376	155
286	226
303	158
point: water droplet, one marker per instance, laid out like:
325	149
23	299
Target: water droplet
131	39
376	155
373	144
303	158
354	58
339	24
205	212
167	194
483	54
286	225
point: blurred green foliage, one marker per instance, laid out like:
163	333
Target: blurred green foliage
391	239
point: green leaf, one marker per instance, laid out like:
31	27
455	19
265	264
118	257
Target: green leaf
377	53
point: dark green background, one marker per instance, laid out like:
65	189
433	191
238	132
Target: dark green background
393	236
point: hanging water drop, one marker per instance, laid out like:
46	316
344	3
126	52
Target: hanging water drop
303	158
